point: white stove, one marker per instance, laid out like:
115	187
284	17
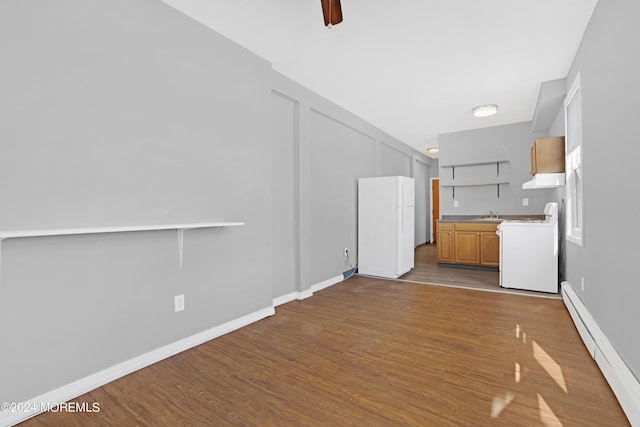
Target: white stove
529	252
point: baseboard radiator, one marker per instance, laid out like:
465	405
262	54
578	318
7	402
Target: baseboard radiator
624	384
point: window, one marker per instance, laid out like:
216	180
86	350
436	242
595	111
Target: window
574	187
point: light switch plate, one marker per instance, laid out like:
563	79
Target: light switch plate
455	204
525	202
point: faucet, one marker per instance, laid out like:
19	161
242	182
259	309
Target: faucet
492	213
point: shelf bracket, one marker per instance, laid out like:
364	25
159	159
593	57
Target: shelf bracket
181	244
498	185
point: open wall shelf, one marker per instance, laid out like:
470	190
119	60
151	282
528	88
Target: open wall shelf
475	163
180	228
453	183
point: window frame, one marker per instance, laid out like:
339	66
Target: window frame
574	188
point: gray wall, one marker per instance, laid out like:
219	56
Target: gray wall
610	66
395	160
510	141
123	113
284	138
423	202
328	149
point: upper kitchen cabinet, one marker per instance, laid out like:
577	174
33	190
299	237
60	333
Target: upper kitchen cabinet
547	155
547	163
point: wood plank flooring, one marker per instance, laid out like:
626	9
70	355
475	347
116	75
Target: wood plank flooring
372	352
426	270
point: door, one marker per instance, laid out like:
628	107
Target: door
435	206
467	247
489	249
445	245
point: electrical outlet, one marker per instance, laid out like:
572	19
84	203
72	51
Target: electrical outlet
582	283
179	302
525	202
346	252
456	204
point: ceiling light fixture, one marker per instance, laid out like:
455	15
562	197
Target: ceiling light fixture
485	110
433	150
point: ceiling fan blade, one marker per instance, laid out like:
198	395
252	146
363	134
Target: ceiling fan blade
332	12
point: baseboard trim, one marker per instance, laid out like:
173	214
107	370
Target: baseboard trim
327	283
292	297
300	295
624	384
91	382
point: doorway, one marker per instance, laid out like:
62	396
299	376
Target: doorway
435	206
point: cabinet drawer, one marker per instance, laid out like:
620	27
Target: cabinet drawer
475	226
445	225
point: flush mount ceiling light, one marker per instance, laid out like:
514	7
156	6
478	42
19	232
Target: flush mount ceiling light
433	150
485	110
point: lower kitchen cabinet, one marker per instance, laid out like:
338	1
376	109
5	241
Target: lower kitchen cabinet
468	243
467	247
445	242
489	249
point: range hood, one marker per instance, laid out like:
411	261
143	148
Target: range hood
545	180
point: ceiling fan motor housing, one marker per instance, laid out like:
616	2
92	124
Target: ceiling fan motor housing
332	12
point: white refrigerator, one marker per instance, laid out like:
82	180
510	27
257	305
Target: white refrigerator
386	226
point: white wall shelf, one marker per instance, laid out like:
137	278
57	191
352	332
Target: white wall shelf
475	163
478	183
497	181
180	228
10	234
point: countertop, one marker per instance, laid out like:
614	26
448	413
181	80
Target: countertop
486	218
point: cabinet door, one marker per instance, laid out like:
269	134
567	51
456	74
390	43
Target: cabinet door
467	244
445	246
490	249
533	160
548	155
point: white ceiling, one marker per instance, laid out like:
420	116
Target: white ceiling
413	68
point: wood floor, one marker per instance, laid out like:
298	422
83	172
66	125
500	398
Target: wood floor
372	352
426	270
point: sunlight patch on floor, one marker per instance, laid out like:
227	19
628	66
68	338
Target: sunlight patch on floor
551	366
548	418
499	403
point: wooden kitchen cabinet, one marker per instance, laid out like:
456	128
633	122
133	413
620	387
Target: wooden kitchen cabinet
547	155
445	242
467	247
489	249
469	243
